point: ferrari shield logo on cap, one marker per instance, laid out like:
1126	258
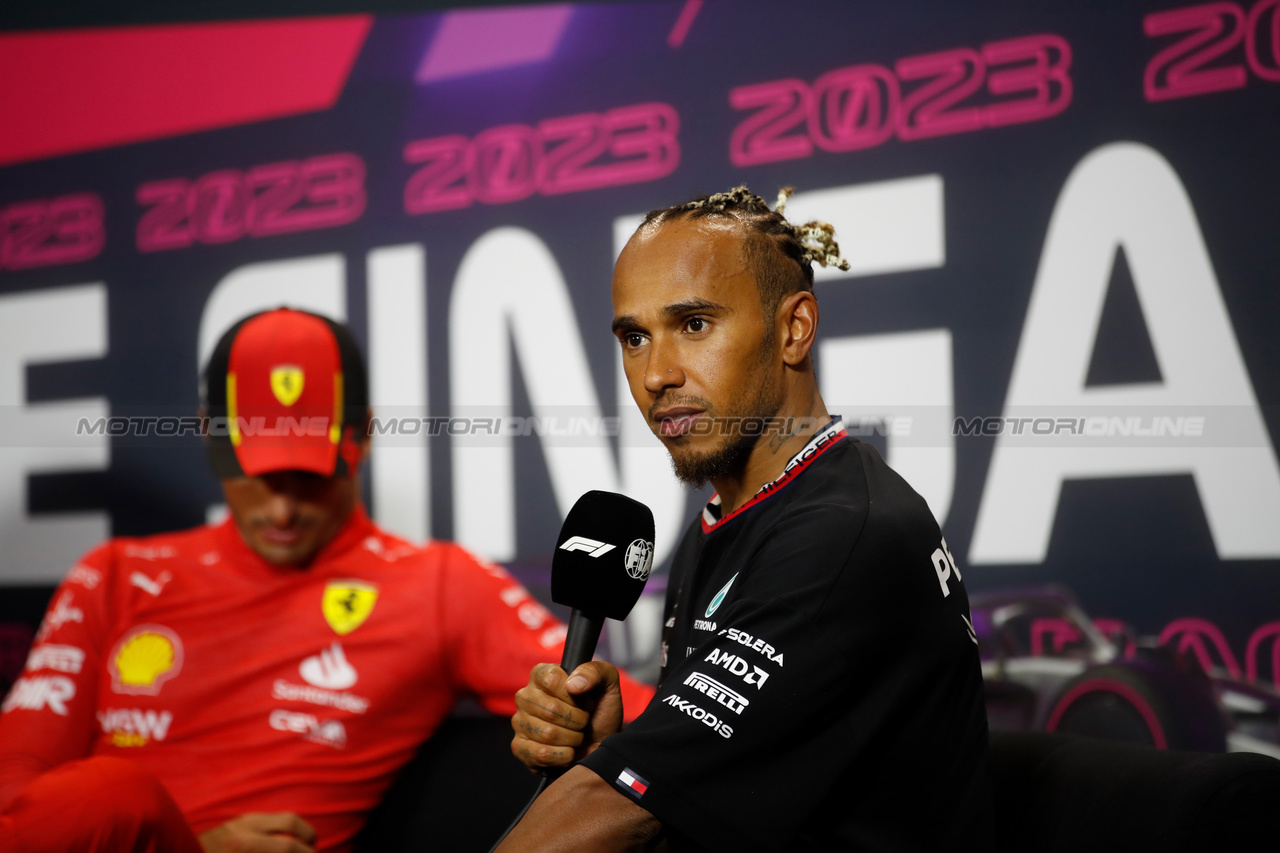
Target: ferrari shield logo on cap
286	383
347	603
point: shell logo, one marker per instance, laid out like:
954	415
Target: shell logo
144	659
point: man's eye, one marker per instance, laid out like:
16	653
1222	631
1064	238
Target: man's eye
696	324
632	339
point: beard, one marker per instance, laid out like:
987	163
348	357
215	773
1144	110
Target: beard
697	469
729	456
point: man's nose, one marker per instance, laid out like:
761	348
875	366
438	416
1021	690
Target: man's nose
662	370
282	509
282	500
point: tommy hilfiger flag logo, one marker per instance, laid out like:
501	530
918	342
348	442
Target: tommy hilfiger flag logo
635	785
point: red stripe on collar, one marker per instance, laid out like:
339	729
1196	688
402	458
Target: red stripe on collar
818	445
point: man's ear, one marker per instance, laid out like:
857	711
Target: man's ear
797	320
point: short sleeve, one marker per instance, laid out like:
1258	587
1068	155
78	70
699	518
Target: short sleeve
498	631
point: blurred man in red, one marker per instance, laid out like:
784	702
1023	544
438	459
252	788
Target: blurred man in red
255	685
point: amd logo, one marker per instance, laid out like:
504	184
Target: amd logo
582	543
749	673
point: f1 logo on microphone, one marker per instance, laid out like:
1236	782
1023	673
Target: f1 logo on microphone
582	543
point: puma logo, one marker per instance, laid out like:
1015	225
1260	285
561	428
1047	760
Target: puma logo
154	587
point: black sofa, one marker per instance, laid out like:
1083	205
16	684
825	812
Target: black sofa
1051	793
1060	793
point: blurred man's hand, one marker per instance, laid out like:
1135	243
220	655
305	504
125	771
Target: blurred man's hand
256	832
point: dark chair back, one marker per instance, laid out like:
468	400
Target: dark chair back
1061	793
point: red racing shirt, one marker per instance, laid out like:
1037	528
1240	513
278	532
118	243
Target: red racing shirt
245	686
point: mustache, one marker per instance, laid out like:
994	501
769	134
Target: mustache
297	520
668	402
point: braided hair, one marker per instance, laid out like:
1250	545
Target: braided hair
780	254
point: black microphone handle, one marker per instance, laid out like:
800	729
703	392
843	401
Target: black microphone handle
580	641
579	647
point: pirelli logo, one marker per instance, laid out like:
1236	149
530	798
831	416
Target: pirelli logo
714	690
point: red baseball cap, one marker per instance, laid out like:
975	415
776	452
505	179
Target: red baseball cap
285	390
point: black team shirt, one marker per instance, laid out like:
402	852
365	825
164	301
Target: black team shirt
821	688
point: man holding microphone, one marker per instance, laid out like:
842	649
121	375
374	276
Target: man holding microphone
821	688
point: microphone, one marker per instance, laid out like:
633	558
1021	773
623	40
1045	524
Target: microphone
603	557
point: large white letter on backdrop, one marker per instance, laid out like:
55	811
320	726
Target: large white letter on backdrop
904	379
510	293
397	295
1127	195
61	324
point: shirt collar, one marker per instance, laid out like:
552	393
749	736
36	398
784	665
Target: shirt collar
825	438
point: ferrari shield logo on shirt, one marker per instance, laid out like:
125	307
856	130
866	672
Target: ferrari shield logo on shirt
145	658
286	383
719	599
347	603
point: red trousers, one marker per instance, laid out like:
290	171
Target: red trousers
98	805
